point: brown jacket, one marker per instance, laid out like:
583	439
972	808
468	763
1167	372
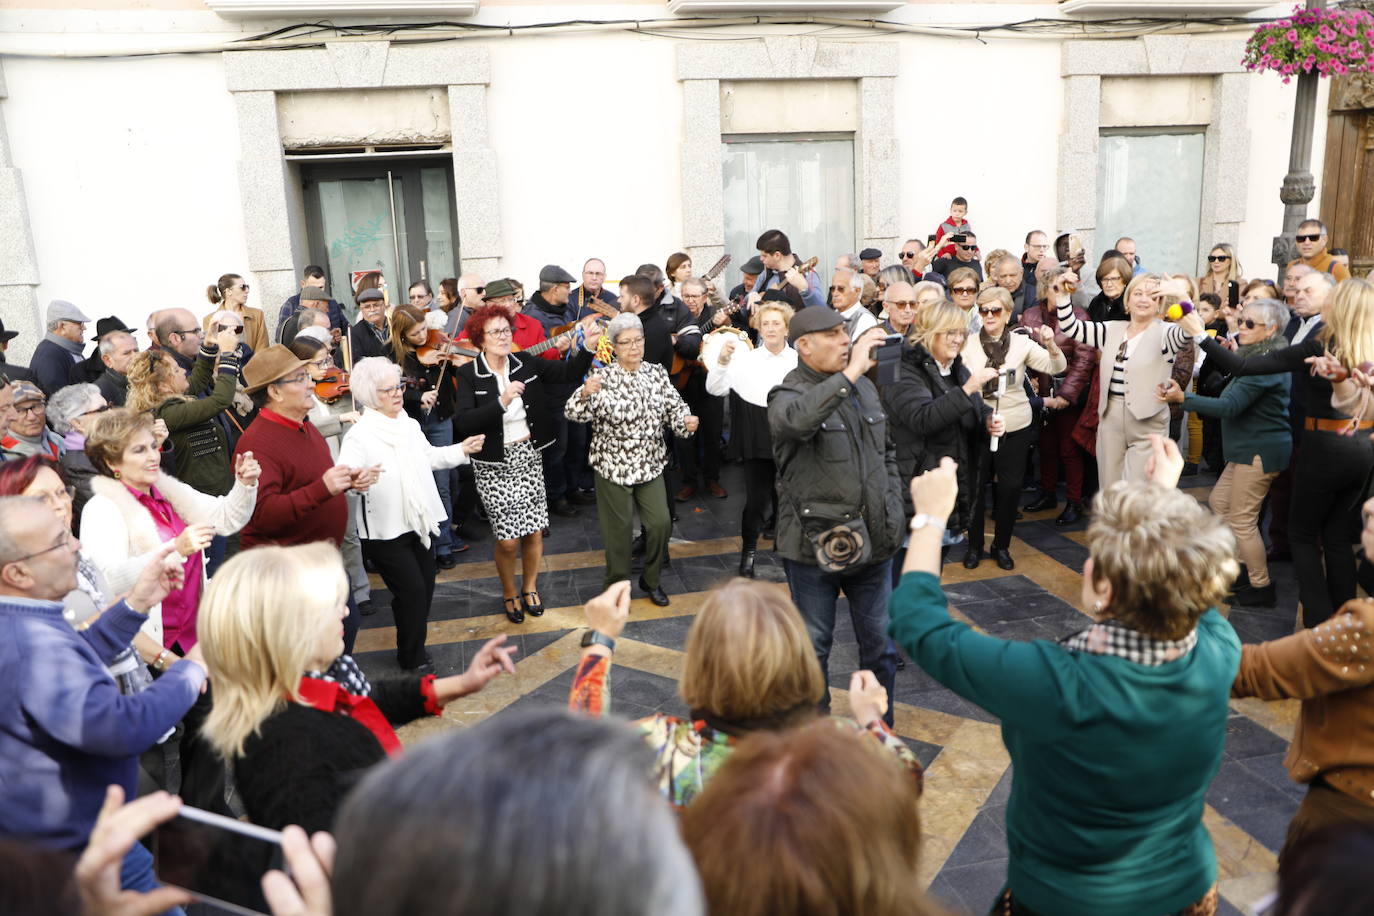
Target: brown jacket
1331	669
1076	381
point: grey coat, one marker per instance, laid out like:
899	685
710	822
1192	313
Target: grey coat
836	462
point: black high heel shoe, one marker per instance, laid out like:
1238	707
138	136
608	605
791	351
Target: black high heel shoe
515	612
535	607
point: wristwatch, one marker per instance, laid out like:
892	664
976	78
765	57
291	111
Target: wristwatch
921	520
595	638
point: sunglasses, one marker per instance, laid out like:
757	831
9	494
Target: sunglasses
1213	258
996	310
901	303
1306	238
242	286
1250	323
417	296
905	255
101	409
968	247
964	290
838	289
480	289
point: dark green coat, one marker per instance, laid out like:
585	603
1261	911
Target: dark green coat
200	446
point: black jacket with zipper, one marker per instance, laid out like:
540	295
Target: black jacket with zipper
479	407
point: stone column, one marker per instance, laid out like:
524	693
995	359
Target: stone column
1298	185
19	261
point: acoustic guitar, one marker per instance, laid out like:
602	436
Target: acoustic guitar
681	370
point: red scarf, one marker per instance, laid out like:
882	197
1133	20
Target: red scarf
330	696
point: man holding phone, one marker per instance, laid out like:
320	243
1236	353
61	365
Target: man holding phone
66	732
965	255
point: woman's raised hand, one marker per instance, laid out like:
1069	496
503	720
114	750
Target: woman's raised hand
608	611
1165	464
246	469
473	444
490	660
194	538
513	391
867	698
160	432
935	491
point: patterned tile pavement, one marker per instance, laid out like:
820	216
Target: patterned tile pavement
968	776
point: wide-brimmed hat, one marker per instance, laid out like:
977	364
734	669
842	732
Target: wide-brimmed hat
6	336
268	366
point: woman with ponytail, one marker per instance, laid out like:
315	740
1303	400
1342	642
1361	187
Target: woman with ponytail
230	293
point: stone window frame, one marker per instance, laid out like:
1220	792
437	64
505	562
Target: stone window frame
702	66
1226	158
273	201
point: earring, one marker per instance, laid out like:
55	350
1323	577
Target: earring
116	475
1097	606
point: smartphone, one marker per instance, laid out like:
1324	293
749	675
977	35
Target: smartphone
217	859
888	356
958	238
930	239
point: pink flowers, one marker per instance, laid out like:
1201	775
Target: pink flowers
1328	42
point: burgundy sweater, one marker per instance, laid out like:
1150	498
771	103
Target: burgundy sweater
294	506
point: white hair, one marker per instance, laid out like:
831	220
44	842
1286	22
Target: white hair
1271	313
225	317
856	280
315	332
71	402
370	374
625	321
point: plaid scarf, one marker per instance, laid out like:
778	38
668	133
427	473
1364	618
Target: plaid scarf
1111	637
345	671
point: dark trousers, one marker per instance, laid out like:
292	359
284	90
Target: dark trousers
760	499
615	508
698	456
578	470
1007	464
1324	519
407	567
1280	499
555	459
815	593
439	433
1059	450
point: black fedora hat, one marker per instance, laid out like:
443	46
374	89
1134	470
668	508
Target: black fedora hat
6	336
109	326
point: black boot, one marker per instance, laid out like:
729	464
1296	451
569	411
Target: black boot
1046	502
1250	596
1073	512
746	562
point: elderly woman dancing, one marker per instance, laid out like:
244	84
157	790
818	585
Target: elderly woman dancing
1116	731
628	403
401	513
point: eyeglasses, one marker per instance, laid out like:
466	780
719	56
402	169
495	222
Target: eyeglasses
293	380
1303	238
479	289
36	407
1213	258
101	409
901	303
499	332
904	255
630	342
418	296
996	310
236	328
66	539
1112	278
964	290
838	289
189	332
56	499
324	362
394	389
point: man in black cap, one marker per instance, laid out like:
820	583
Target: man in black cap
870	261
837	482
12	371
313	278
549	306
117	349
91	368
371	336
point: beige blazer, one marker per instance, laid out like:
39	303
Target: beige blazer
1151	361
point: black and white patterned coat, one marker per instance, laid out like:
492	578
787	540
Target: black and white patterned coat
628	415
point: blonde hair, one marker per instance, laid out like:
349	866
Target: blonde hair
259	622
149	374
1138	280
992	260
996	292
782	308
749	655
934	320
109	435
927	290
1167	559
1046	282
1233	270
1349	322
962	273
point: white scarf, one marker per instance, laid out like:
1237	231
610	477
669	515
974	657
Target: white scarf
409	467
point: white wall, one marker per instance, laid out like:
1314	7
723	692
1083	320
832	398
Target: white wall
130	171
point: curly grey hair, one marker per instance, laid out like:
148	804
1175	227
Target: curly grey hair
71	402
369	375
623	322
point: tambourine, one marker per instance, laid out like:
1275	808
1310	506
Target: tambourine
714	342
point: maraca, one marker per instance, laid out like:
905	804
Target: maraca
1179	309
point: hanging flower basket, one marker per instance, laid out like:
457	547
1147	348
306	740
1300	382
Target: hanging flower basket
1328	42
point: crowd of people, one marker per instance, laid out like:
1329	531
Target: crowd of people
186	534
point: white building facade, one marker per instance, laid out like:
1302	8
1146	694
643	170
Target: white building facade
131	177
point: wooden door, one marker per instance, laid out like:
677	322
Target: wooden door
1347	205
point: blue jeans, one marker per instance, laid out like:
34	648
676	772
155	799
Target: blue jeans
136	874
440	433
815	593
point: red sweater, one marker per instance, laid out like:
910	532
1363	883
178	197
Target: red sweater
294	506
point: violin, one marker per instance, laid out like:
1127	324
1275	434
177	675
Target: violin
439	347
332	386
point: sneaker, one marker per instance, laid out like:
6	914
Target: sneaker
445	561
459	545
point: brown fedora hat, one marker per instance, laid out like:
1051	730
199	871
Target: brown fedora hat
267	366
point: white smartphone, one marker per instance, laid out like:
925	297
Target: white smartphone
217	859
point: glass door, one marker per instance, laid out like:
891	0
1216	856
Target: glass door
1148	181
396	217
801	185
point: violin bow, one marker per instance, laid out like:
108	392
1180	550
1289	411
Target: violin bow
347	342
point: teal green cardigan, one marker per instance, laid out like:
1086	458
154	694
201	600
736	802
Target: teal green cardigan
1254	419
1112	759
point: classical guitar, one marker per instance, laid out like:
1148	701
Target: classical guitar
681	370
